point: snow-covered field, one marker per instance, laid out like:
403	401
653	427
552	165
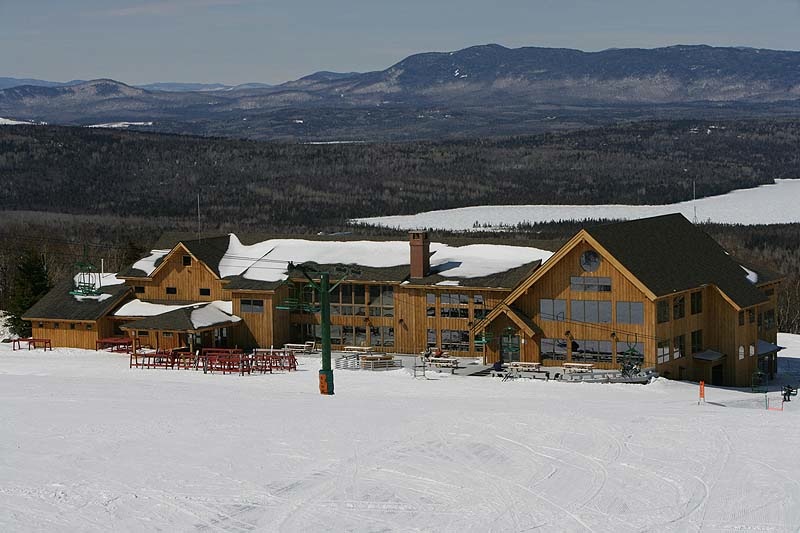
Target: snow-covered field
87	444
768	204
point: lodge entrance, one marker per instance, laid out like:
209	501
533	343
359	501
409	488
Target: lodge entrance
716	375
509	346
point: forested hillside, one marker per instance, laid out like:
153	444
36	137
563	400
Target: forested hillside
255	184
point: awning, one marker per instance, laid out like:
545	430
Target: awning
765	347
708	355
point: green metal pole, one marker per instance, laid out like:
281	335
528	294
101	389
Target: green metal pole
326	374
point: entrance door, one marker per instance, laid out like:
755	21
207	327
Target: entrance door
716	375
509	347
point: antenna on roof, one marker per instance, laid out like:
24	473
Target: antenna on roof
198	216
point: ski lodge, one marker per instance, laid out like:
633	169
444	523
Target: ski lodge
656	291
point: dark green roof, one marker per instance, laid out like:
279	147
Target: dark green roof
59	304
670	254
209	251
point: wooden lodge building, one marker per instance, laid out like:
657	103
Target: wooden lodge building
657	291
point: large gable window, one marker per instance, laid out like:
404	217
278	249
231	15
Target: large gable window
589	284
678	307
553	309
697	302
594	311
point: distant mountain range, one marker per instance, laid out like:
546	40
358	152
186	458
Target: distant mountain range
480	90
7	83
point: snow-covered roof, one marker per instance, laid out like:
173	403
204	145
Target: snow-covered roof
148	264
268	260
138	308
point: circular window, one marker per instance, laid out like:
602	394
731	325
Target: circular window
590	261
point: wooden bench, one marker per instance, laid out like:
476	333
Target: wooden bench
32	344
577	367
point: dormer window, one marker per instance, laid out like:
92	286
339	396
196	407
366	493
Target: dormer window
187	260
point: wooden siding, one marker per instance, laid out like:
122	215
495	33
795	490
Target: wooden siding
187	280
555	284
71	334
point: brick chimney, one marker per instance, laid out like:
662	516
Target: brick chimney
420	254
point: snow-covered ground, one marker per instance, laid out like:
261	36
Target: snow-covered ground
768	204
87	444
120	125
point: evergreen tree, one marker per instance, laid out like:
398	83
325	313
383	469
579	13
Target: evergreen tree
30	284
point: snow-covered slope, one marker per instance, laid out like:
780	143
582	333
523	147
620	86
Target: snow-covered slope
768	204
87	444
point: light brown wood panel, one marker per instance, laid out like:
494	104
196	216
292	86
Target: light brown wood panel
68	334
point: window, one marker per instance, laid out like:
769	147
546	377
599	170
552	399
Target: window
41	324
769	319
477	299
205	292
432	338
662	311
431	300
138	289
591	351
187	260
72	325
741	353
167	334
454	305
697	341
142	333
88	326
751	315
752	350
633	352
678	346
678	307
630	313
769	292
172	290
590	284
252	306
455	340
554	349
697	302
553	309
741	318
480	313
359	293
594	311
56	325
662	352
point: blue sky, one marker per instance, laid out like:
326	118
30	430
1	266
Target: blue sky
236	41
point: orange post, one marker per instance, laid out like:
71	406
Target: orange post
702	392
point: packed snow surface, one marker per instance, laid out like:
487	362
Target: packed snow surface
268	260
767	204
87	444
12	122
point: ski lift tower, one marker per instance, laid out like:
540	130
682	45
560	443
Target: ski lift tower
324	288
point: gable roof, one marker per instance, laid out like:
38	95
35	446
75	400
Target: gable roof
669	254
59	304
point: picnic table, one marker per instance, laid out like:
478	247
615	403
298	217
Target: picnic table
306	347
117	344
577	367
358	349
379	362
33	343
525	366
444	362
